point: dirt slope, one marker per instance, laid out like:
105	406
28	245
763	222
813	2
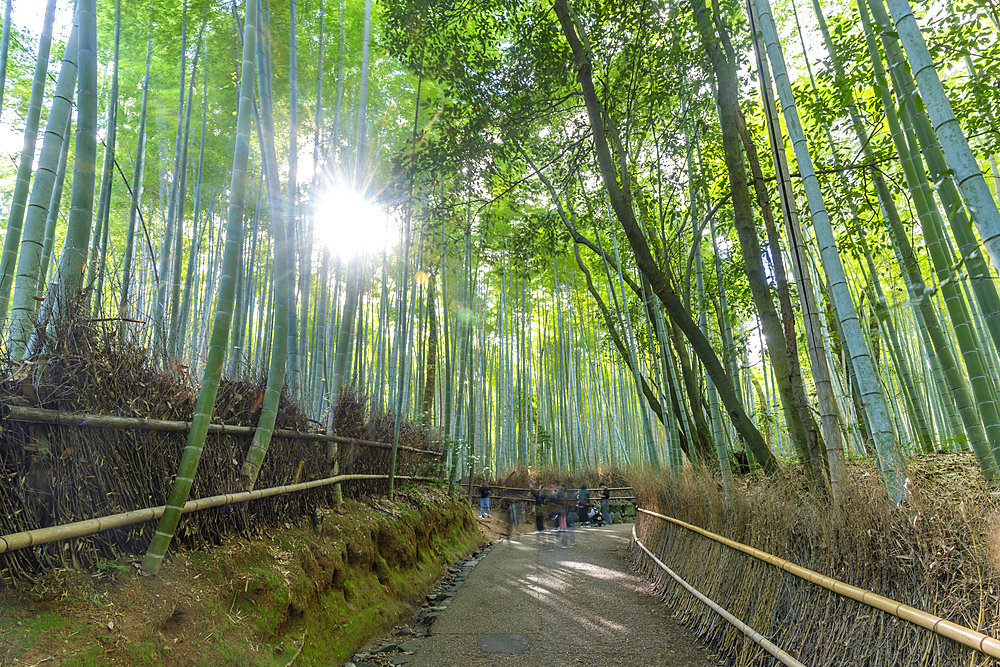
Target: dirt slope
312	595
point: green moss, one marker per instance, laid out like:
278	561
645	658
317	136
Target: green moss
33	628
89	656
239	655
145	652
266	600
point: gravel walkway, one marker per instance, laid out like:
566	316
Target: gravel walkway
522	605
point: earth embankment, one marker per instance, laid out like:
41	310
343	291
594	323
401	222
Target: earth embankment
314	590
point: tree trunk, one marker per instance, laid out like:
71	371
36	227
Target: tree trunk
619	195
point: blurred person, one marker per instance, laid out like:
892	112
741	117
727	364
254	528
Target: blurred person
561	507
569	519
540	498
583	504
606	502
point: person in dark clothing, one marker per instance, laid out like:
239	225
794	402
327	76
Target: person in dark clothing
567	519
583	504
606	502
550	511
540	500
560	500
484	499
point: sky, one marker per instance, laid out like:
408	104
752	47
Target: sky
28	14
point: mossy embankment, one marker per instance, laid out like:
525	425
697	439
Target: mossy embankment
313	592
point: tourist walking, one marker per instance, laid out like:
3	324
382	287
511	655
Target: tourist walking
569	521
484	499
606	502
583	504
540	498
550	512
561	506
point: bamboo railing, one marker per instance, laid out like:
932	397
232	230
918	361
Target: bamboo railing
782	656
961	634
67	531
87	420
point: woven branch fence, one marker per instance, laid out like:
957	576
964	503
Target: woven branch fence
64	471
918	557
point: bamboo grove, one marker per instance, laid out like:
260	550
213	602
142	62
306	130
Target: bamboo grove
568	234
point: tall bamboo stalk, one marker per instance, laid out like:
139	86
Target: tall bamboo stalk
892	466
963	163
26	285
224	305
129	258
4	46
104	200
12	240
283	276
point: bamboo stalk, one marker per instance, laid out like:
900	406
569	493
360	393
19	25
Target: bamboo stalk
19	197
4	46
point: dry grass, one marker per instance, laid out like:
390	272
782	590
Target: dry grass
937	554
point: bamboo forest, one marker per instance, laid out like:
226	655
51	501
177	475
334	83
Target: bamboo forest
736	261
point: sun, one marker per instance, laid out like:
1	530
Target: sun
349	224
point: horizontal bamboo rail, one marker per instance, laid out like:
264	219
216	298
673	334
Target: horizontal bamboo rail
757	638
593	497
67	531
84	419
961	634
597	490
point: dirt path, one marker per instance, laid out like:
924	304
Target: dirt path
524	604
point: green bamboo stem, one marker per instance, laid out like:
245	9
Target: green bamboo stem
943	178
55	205
972	421
620	197
830	419
891	464
877	298
292	217
4	47
283	277
962	162
73	259
104	200
26	284
224	304
19	198
164	267
129	257
189	292
722	453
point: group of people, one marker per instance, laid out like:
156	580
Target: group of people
558	505
555	506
